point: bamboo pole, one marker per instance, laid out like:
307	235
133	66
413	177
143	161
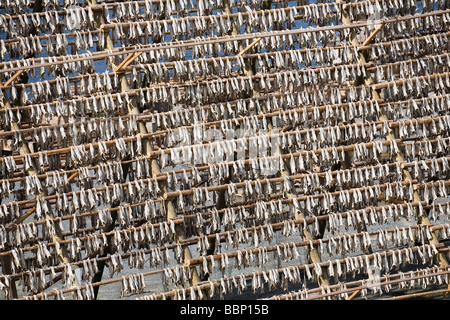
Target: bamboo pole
158	176
353	294
420	294
14	77
125	62
221	202
249	47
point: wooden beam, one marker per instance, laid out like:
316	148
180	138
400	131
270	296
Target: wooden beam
14	77
353	294
130	58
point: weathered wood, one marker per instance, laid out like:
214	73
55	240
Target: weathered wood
309	86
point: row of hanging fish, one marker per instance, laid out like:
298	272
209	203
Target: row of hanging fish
275	41
419	279
357	178
282	277
72	134
318	55
187	116
313	14
14	7
111	173
287	79
286	140
200	153
397	235
400	236
81	199
341	243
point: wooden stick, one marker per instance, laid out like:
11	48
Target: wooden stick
136	55
7	83
419	294
354	294
123	62
374	33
